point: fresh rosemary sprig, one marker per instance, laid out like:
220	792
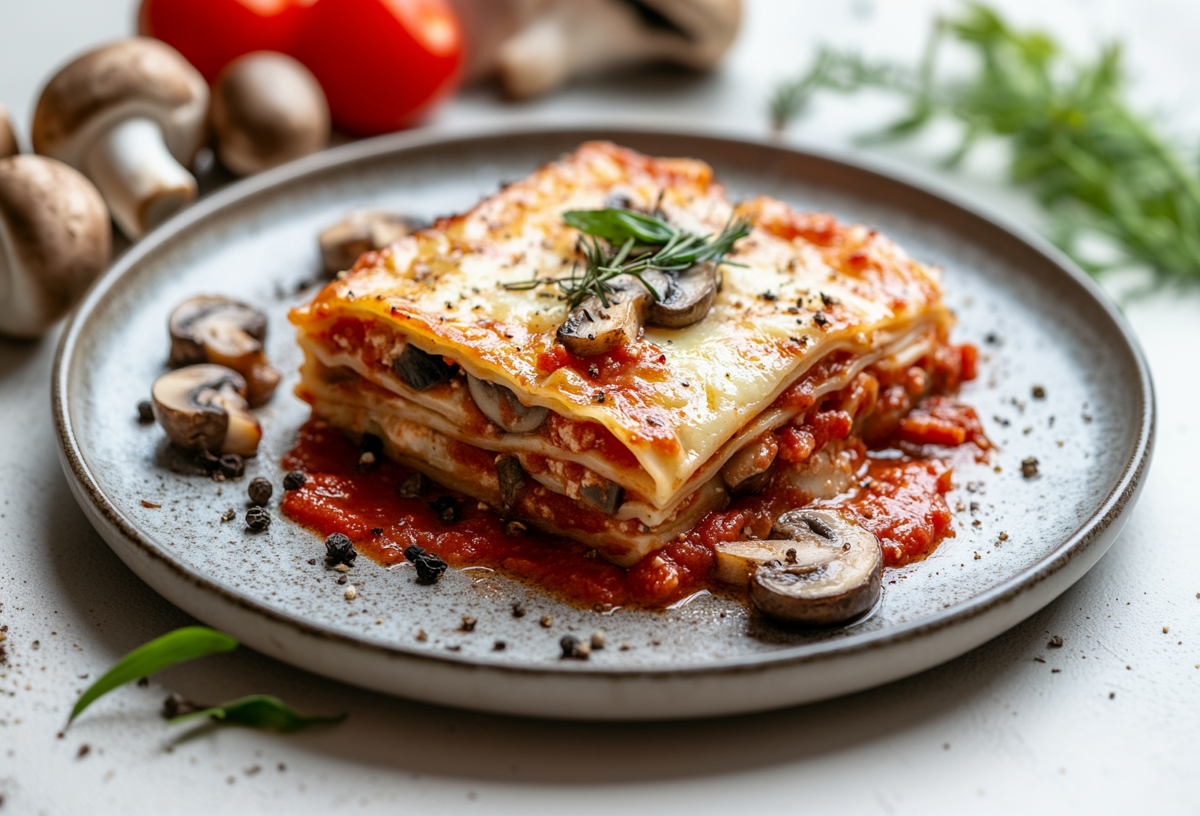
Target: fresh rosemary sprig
1099	168
636	244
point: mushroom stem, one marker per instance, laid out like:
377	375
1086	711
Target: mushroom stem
138	177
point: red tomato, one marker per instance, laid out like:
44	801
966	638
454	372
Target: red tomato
382	63
213	33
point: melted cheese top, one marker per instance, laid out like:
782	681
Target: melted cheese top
805	286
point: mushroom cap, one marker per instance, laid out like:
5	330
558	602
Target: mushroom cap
8	139
227	332
267	109
137	77
55	239
362	231
203	408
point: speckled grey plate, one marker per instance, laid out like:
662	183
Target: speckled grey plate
1037	320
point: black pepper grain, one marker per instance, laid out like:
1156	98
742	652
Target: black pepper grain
258	518
573	648
232	466
1056	642
294	480
1039	392
820	319
429	566
414	486
447	509
259	490
499	646
145	412
518	609
468	623
339	549
1029	467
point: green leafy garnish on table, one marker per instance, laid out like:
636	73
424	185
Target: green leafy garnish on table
637	244
1098	167
179	646
189	643
258	711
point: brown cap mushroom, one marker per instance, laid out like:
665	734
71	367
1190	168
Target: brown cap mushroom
362	231
55	239
130	116
749	470
203	408
8	139
226	332
820	568
574	37
267	109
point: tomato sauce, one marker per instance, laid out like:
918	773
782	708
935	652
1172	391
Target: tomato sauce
899	498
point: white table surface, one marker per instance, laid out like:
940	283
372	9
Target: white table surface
1107	723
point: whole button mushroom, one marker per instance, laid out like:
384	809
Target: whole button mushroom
8	139
203	408
267	109
576	37
130	116
55	239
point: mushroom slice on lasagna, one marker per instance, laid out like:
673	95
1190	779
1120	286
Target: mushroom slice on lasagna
820	335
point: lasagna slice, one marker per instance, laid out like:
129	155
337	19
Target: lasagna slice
820	335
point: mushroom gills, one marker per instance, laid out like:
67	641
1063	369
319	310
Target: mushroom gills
227	332
420	370
687	299
749	470
500	405
511	477
203	408
604	494
818	569
594	328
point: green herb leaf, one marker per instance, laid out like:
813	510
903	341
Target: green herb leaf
179	646
638	244
259	711
1100	169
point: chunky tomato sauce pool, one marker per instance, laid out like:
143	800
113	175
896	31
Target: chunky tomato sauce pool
899	497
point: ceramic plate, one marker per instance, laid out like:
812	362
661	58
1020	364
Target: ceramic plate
1037	320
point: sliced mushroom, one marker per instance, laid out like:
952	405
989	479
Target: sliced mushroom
421	371
688	297
501	406
8	139
55	239
602	493
749	470
203	408
130	116
835	574
267	109
362	231
512	479
227	332
594	328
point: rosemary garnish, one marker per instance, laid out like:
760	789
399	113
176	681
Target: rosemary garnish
633	244
1099	168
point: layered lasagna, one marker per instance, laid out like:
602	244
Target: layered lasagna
819	336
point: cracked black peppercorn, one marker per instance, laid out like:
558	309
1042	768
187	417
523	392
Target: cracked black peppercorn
232	466
447	509
429	566
258	518
414	486
145	412
259	490
340	550
574	649
294	480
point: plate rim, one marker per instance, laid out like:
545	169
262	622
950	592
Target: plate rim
1110	509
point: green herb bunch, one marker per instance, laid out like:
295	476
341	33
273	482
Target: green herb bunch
1100	168
636	244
